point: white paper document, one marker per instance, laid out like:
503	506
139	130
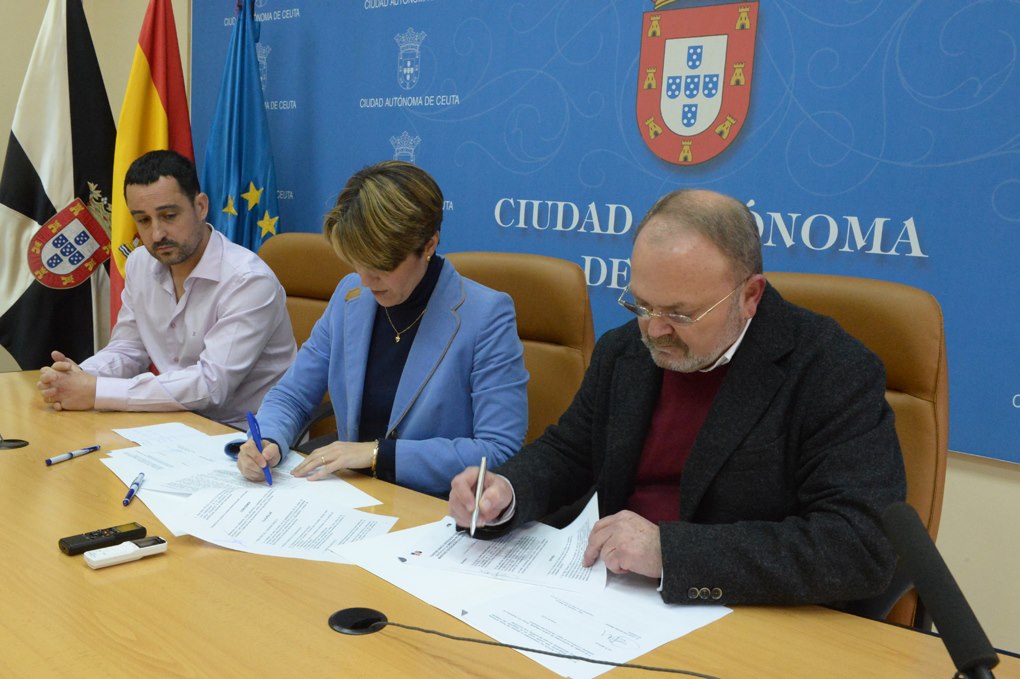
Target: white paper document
627	620
191	448
278	523
168	508
537	554
167	433
624	620
392	557
178	461
191	479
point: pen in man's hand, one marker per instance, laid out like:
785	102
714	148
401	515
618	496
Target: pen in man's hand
73	453
256	435
478	496
133	488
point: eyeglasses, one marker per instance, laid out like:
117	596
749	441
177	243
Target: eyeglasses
675	319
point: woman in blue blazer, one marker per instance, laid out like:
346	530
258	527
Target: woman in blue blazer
424	368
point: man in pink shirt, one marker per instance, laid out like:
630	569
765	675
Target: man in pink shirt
207	314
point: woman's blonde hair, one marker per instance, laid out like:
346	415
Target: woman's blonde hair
384	213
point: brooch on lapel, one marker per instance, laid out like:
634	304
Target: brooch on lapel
353	293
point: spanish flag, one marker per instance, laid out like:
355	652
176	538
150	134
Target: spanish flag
154	116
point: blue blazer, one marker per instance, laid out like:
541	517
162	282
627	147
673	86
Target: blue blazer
462	394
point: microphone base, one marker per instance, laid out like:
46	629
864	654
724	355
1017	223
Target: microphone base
357	621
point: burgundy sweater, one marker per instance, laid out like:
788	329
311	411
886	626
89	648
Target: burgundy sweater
684	401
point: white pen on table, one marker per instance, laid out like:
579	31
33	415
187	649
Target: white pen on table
72	454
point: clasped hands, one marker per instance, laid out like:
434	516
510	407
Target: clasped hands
65	386
322	462
626	542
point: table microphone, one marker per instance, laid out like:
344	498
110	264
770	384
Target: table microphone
960	630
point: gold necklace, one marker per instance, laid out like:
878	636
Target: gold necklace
401	332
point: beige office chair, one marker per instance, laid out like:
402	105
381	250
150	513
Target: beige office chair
553	321
903	326
309	270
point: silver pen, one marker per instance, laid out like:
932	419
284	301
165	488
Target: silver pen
478	496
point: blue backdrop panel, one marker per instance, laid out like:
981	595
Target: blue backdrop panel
878	139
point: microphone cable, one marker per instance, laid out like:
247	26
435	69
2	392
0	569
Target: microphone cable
358	621
376	626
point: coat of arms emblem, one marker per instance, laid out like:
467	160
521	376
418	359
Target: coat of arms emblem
70	246
694	84
409	58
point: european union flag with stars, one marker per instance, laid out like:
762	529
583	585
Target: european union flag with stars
238	174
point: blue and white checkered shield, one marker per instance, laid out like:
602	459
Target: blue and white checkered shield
690	115
693	70
408	68
692	85
71	246
673	84
711	85
694	54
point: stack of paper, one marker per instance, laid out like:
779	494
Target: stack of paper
529	589
196	489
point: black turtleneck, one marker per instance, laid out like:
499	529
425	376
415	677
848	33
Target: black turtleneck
386	359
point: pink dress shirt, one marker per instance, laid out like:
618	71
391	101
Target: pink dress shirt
217	350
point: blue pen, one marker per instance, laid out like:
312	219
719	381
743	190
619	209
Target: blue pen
133	488
256	435
73	454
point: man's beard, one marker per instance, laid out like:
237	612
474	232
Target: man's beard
182	251
689	362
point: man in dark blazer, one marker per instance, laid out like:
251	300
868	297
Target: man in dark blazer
741	447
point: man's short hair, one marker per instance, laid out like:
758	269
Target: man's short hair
150	167
723	220
384	213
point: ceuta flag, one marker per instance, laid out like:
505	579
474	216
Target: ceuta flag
154	117
54	199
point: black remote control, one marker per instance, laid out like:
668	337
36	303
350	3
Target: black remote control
105	537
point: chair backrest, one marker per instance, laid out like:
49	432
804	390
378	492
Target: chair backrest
309	271
553	321
903	326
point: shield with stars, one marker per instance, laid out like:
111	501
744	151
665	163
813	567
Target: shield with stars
694	84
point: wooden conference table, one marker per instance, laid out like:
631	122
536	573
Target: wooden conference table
203	611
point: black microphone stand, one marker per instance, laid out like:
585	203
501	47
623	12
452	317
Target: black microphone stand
958	627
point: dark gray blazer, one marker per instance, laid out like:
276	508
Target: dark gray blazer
781	498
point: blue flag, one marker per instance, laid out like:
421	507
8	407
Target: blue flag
238	173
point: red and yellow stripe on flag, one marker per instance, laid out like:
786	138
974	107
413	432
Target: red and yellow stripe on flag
154	116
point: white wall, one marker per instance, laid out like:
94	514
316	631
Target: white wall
980	540
980	533
114	25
